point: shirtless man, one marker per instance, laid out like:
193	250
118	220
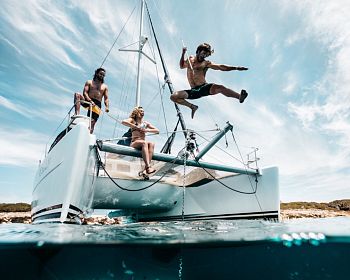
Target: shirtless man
94	91
197	67
139	127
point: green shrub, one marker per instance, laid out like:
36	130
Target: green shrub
14	207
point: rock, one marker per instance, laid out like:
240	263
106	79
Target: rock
15	217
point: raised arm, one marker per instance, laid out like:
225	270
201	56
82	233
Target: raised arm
183	62
223	67
106	99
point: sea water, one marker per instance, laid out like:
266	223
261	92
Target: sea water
242	249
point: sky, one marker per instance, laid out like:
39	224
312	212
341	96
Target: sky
297	52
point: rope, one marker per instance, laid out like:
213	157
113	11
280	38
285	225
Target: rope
65	117
136	190
184	178
165	23
178	131
232	189
256	179
54	133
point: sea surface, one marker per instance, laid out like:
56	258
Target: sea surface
241	249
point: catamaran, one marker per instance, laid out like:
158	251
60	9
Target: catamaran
81	173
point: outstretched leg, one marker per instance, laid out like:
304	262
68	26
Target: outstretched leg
180	97
215	89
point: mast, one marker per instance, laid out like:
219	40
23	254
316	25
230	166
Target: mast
167	146
141	44
142	41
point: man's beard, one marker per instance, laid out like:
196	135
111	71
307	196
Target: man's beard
200	58
97	78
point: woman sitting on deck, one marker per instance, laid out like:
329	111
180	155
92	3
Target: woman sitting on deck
139	127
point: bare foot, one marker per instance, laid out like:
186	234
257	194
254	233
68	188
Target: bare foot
149	170
243	96
194	108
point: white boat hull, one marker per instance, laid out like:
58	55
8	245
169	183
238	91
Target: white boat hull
63	185
68	184
160	197
210	199
215	201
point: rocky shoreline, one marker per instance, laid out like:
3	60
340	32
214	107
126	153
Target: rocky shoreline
286	214
15	217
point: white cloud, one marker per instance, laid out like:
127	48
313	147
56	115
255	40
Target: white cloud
12	45
257	39
21	147
328	23
305	114
277	60
12	106
292	39
291	83
39	23
308	141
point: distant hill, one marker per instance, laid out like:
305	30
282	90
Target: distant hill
342	204
14	207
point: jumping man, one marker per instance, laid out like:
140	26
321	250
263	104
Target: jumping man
197	67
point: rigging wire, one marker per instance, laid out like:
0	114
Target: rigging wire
256	179
221	149
232	189
171	36
115	41
184	154
54	133
134	190
123	96
151	134
159	84
175	46
254	189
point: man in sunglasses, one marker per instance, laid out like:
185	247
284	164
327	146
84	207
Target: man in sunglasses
197	68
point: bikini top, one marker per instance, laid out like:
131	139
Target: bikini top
142	125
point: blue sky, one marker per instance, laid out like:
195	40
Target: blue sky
297	52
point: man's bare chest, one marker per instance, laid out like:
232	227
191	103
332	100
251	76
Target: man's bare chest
199	66
96	89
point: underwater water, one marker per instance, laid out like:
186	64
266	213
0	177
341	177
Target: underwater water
240	249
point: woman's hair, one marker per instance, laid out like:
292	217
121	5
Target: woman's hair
135	112
204	47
